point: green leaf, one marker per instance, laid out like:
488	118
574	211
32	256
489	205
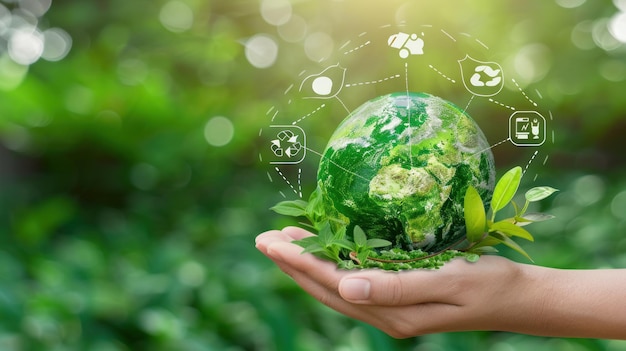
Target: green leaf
485	250
314	210
515	207
486	242
313	248
506	188
325	234
309	240
474	212
503	239
345	244
360	239
536	217
362	256
510	229
472	257
539	193
295	208
376	243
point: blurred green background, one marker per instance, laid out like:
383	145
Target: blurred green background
131	189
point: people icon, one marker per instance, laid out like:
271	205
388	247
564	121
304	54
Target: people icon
534	128
408	44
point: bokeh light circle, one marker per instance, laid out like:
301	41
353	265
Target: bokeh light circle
176	16
318	46
26	46
617	26
276	12
57	44
261	51
219	131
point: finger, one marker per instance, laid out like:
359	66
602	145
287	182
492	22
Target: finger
288	234
296	233
325	291
324	272
418	286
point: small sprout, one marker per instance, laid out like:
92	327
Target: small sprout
502	232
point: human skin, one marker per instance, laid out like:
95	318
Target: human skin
491	294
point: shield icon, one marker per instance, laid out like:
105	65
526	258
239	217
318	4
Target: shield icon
481	78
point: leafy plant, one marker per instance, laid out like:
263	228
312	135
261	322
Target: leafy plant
482	232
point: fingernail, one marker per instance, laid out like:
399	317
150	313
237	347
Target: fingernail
355	289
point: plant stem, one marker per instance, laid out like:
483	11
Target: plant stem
353	255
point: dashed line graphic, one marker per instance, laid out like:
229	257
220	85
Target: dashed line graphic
468	103
448	35
482	44
530	161
337	165
373	81
297	191
441	74
358	47
501	104
524	93
308	115
492	146
327	85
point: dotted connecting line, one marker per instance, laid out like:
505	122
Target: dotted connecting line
337	165
448	35
482	44
345	44
373	81
308	115
297	191
501	104
468	103
524	93
492	146
530	161
441	74
358	48
408	108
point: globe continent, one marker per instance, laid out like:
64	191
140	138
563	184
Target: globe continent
399	165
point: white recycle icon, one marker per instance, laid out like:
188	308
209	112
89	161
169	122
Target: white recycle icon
408	44
286	144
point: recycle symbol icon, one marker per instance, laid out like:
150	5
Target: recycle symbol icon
286	144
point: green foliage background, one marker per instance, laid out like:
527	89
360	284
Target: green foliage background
121	228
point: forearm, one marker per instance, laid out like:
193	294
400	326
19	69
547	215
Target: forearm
574	303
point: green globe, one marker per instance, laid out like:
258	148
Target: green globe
399	165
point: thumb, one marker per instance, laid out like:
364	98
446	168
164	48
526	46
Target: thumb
386	288
389	288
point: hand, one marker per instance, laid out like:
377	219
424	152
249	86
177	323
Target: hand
459	296
491	294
